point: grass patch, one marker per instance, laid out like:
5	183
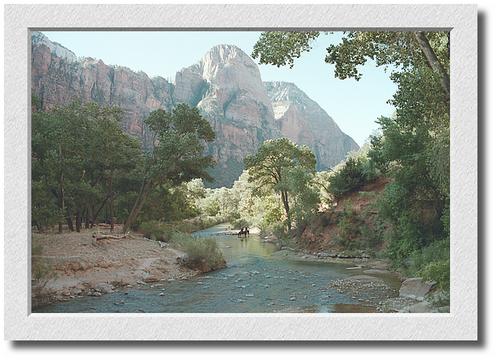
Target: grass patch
41	273
201	253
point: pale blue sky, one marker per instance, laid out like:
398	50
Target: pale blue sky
354	105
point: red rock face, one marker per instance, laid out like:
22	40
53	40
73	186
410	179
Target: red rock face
303	121
56	81
225	85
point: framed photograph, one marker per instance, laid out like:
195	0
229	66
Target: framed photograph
241	172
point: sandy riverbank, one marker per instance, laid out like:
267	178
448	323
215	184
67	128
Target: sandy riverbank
77	265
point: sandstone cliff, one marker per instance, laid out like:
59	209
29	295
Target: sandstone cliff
57	79
303	121
225	85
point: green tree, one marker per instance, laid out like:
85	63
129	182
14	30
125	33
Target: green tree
114	154
177	154
78	151
402	49
413	147
305	196
271	167
350	176
282	47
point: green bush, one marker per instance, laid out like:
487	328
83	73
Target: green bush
325	219
432	263
355	233
348	229
355	173
202	253
372	235
41	273
438	271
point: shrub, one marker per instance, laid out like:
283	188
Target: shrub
355	233
355	173
202	253
372	235
41	273
348	229
325	219
432	263
438	271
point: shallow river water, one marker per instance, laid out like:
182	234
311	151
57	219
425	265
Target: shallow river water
254	281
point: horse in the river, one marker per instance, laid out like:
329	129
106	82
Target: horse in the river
244	232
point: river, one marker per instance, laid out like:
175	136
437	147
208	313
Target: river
254	281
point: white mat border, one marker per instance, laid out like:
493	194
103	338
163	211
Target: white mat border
460	324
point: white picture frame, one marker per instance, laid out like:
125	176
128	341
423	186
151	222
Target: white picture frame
462	321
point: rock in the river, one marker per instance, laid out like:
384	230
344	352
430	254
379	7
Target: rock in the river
151	279
415	288
104	288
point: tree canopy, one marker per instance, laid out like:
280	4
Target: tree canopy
178	152
78	152
403	50
414	144
272	167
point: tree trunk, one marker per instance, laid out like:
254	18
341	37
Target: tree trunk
95	215
69	220
78	220
61	187
284	199
433	61
86	217
111	205
140	201
91	211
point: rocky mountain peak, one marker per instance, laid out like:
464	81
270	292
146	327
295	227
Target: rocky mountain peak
39	39
227	58
225	85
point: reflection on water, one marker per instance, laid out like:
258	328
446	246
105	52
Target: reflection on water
254	281
237	250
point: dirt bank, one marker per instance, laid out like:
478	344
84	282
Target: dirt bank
323	233
74	264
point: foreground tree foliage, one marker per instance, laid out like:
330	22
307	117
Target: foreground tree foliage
413	147
402	49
